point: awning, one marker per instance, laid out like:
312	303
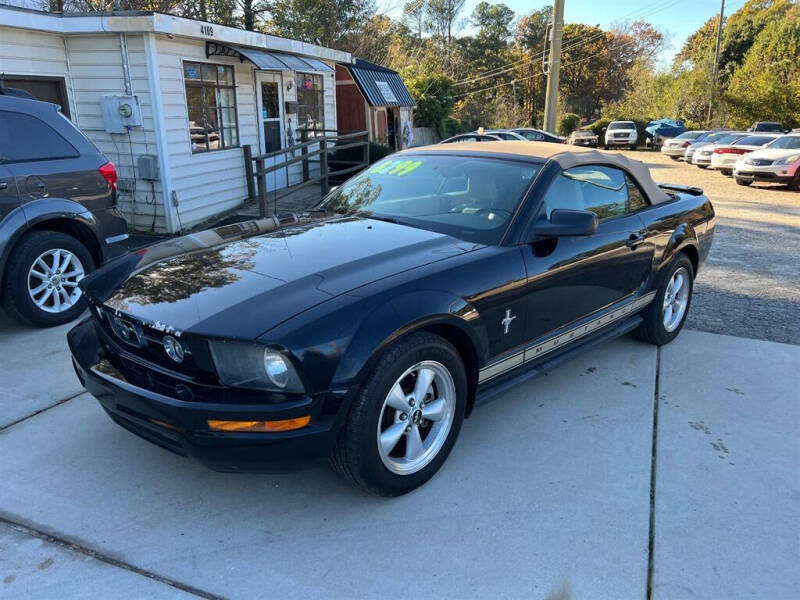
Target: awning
380	86
267	60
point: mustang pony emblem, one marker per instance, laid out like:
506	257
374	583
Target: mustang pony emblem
506	322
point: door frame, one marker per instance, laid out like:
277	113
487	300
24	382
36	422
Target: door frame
278	178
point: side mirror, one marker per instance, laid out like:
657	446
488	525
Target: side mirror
564	222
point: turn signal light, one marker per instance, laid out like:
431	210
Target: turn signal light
283	425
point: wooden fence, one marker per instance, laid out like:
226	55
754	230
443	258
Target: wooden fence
309	150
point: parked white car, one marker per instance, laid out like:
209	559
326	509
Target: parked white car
702	156
725	155
621	133
675	147
709	137
779	162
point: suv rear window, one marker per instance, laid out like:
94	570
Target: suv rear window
24	138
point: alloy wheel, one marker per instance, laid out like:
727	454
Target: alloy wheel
53	280
676	299
416	417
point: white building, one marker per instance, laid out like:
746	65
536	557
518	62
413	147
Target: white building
181	98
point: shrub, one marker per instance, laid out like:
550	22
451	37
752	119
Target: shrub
568	123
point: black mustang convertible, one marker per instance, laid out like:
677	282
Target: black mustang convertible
365	330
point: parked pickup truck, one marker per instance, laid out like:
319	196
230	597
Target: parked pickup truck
621	133
365	330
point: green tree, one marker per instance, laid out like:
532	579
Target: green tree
325	22
432	91
767	86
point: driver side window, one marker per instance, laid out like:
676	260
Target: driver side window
600	189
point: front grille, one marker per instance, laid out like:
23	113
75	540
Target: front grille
620	135
144	340
759	162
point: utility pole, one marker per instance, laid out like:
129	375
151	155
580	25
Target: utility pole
716	61
551	98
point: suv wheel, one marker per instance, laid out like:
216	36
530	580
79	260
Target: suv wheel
41	286
406	418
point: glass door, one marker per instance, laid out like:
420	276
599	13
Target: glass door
270	116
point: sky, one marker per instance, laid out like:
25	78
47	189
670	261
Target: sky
677	19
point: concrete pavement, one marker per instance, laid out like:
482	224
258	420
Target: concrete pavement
546	495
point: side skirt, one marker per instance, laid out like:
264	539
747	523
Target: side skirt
491	390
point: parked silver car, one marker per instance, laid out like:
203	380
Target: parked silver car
675	147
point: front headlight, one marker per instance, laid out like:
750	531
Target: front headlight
787	160
254	366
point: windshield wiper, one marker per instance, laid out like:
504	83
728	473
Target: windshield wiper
369	215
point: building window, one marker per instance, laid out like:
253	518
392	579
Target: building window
211	101
310	106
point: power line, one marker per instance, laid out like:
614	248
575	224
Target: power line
580	40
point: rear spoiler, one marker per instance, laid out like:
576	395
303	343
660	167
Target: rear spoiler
686	189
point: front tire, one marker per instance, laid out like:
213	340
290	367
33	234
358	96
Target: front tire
41	285
703	166
665	315
406	417
744	182
794	184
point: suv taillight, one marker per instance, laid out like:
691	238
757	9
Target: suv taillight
109	173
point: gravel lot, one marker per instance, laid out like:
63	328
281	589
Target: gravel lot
750	285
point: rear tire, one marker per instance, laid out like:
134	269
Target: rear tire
397	436
744	182
35	254
633	146
726	172
703	166
662	323
675	157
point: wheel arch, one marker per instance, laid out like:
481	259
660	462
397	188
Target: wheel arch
683	239
436	312
53	214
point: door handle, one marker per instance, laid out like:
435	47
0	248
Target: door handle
636	239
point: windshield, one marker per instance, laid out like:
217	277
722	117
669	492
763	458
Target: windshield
622	125
729	138
715	136
582	134
756	140
788	142
689	135
469	198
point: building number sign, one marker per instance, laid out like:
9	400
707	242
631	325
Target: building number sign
207	30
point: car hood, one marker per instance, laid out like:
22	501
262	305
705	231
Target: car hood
774	153
243	288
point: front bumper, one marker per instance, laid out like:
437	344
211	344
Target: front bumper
701	159
769	173
181	426
620	142
588	143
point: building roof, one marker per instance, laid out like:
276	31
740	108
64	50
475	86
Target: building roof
565	156
147	21
380	85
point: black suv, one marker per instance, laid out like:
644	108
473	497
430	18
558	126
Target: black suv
58	219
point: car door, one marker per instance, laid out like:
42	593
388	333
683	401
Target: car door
571	277
9	199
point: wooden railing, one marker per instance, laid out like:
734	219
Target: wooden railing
312	150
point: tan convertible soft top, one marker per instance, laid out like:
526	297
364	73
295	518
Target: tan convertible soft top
565	156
